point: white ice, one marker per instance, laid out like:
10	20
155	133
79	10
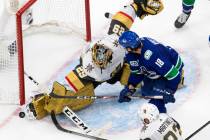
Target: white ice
44	57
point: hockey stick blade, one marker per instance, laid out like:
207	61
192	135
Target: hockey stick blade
76	119
59	127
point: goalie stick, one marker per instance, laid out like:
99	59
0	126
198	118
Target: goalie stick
104	97
76	120
59	127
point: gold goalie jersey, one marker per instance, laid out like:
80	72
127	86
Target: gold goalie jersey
103	59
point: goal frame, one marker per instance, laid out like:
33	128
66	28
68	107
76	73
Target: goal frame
19	39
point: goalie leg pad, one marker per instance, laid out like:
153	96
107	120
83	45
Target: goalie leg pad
125	74
57	104
181	83
79	104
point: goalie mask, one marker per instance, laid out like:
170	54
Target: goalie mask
101	55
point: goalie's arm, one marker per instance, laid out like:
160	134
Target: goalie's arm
123	19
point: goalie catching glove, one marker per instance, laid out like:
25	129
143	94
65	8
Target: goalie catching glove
148	7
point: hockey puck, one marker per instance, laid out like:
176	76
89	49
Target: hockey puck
22	114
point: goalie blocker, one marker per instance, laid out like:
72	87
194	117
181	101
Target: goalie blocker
108	64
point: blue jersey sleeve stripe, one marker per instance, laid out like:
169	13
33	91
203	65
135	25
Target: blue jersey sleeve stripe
172	73
178	63
134	71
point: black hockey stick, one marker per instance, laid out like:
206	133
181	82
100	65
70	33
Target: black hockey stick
198	130
103	97
31	78
59	127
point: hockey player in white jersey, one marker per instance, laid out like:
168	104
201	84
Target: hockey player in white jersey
103	61
10	7
157	126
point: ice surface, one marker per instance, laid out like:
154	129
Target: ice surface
47	58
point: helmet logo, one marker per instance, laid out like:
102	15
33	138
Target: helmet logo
124	41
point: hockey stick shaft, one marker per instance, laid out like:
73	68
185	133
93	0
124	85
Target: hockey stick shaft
198	130
31	78
59	127
104	97
91	97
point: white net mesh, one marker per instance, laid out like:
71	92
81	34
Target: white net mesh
70	12
56	16
8	74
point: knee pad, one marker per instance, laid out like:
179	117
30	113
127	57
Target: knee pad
125	74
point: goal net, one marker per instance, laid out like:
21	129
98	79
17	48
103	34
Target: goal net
59	17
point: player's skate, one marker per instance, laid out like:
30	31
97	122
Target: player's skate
181	20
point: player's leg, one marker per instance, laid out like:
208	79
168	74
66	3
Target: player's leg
187	6
153	87
160	105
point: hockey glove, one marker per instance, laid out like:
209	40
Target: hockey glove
168	96
125	93
148	7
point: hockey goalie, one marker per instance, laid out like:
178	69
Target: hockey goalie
102	61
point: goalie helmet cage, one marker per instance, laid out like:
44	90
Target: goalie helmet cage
71	15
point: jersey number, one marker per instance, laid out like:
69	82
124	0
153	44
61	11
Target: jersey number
171	134
118	29
159	62
80	72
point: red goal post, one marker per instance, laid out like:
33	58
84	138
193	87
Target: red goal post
19	35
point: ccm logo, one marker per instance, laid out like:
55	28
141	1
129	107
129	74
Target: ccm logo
76	120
